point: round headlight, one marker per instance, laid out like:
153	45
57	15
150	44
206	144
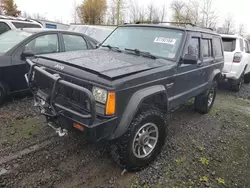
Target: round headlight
100	94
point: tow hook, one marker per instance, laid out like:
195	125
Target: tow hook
61	132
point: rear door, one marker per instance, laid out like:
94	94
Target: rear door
230	44
207	57
74	42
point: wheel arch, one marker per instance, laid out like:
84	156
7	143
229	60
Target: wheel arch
137	100
216	75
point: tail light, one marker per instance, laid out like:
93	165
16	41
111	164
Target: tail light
237	57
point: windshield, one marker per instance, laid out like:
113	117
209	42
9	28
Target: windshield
160	42
10	38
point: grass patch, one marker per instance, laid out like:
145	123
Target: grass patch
23	129
214	111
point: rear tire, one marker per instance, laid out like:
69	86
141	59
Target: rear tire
142	142
237	84
3	93
247	78
204	102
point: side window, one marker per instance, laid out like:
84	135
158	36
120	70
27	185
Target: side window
207	48
3	27
25	25
241	45
74	43
193	47
217	47
246	47
43	44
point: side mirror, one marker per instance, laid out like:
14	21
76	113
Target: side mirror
26	54
190	59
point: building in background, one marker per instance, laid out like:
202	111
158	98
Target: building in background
53	25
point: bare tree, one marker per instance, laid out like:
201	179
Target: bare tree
163	13
185	12
134	10
115	11
208	14
36	16
229	24
152	13
75	12
242	30
142	14
178	7
194	11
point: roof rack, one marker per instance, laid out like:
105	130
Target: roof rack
15	18
185	24
156	22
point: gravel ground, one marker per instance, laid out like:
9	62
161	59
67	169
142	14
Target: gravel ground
200	151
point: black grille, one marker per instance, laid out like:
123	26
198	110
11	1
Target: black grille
65	95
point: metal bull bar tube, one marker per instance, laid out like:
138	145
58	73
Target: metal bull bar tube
57	80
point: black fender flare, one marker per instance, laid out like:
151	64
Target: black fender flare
134	105
215	73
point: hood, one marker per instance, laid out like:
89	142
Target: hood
106	62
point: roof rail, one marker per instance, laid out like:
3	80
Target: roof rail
185	24
15	18
156	22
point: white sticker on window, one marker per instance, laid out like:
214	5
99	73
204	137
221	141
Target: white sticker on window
164	40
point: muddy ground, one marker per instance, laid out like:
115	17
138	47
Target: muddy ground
210	150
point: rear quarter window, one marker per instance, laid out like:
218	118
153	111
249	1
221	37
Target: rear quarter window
217	47
229	44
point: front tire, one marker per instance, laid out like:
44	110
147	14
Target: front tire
143	141
204	102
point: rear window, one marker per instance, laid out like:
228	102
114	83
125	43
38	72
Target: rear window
229	44
19	25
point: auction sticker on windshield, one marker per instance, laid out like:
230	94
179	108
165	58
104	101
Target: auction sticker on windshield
164	40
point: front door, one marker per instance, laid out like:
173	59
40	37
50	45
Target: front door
188	77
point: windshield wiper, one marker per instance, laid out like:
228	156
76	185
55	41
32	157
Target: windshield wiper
138	52
112	48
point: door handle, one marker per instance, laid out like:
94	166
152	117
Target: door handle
199	64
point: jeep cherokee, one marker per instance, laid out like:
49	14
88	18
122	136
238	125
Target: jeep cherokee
121	90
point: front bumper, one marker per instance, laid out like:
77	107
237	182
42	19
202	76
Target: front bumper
96	127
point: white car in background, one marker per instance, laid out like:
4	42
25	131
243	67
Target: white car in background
237	60
9	23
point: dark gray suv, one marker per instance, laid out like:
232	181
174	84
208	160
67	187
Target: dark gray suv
122	90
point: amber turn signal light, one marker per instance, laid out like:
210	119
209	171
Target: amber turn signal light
77	126
110	106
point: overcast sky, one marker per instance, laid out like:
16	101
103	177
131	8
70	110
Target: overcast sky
63	9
